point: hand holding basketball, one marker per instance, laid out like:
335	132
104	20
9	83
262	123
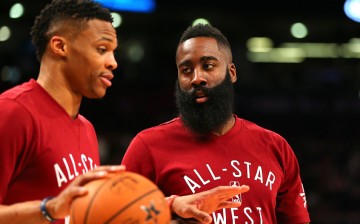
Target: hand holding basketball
124	198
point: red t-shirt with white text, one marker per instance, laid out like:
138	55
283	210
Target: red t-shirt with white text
42	148
181	163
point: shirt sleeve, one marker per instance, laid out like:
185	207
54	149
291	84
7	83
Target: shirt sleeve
291	200
137	158
15	140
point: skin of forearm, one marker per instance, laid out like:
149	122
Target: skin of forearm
22	213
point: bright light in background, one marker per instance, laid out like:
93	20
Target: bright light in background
352	9
299	30
278	55
315	50
117	19
200	20
16	11
259	44
5	33
129	5
260	50
354	45
135	51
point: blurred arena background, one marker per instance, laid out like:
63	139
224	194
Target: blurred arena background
298	74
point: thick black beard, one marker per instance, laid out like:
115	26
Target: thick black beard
209	116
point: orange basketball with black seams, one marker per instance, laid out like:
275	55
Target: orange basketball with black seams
125	198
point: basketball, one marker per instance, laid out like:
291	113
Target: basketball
126	197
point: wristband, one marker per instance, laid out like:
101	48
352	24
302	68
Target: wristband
170	199
44	211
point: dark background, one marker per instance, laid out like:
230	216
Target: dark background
313	104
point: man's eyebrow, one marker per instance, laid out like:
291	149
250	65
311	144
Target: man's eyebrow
202	59
183	63
205	58
106	38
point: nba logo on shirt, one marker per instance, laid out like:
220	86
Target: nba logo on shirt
237	198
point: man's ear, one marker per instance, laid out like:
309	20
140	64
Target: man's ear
232	72
57	45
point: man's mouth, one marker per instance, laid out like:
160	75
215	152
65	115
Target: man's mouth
200	97
105	78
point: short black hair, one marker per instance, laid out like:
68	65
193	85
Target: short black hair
77	11
206	30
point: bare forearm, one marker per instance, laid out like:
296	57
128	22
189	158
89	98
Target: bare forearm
22	213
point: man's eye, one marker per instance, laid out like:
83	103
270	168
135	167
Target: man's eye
208	66
186	70
102	50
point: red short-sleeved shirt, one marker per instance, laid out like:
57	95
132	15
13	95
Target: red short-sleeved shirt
180	163
42	149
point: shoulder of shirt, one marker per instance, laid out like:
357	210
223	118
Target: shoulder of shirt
17	97
170	121
250	125
164	125
17	91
